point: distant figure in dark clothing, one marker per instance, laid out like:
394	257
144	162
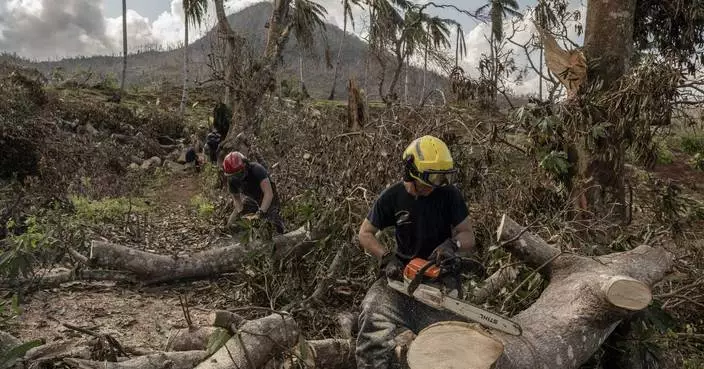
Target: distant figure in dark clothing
212	141
222	117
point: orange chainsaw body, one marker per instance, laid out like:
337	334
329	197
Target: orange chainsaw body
415	265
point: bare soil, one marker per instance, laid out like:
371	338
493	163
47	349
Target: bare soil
136	317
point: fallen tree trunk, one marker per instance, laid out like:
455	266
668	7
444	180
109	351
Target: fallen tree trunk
155	268
255	343
195	339
159	360
58	276
329	353
585	300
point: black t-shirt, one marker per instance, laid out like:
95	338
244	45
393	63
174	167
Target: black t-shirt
421	224
250	185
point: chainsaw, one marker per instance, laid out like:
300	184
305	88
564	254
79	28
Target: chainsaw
418	270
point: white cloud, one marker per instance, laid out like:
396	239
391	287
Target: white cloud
478	44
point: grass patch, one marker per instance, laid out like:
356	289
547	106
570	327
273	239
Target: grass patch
107	210
203	206
692	144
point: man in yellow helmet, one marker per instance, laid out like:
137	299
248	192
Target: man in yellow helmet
432	222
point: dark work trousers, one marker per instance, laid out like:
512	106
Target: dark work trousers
385	314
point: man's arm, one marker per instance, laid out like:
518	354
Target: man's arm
268	192
464	233
368	241
237	200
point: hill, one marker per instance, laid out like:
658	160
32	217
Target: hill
165	67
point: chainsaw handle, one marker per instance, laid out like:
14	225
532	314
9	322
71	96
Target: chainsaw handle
415	282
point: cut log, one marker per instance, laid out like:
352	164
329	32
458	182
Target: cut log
225	319
160	360
584	301
255	343
155	268
332	353
196	339
454	345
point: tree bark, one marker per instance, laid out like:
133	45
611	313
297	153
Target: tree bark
124	47
331	353
608	48
184	95
585	300
8	341
190	339
339	52
160	360
156	268
231	51
493	285
255	343
56	277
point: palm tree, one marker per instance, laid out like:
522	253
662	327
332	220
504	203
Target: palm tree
307	16
346	14
124	47
498	9
194	11
460	45
436	35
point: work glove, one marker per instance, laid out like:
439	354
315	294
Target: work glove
445	252
391	266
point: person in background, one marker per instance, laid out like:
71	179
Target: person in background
253	191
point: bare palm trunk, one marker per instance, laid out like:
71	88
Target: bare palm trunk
425	71
184	96
405	82
124	47
540	79
339	56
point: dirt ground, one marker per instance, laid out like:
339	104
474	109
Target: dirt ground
136	317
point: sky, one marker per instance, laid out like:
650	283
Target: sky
52	29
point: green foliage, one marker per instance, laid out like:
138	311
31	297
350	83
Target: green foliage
203	206
106	210
23	247
692	144
664	155
697	161
556	163
9	310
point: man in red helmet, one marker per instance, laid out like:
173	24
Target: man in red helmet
252	180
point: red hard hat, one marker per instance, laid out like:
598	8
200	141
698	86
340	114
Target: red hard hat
233	163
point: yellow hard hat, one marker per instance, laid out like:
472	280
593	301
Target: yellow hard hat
429	161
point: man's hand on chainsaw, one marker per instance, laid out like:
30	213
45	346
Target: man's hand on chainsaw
391	266
445	253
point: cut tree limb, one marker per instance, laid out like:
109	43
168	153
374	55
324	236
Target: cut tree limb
58	276
155	268
225	319
255	343
493	285
584	301
526	246
193	339
331	353
159	360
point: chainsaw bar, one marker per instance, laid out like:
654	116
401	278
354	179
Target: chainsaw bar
434	298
